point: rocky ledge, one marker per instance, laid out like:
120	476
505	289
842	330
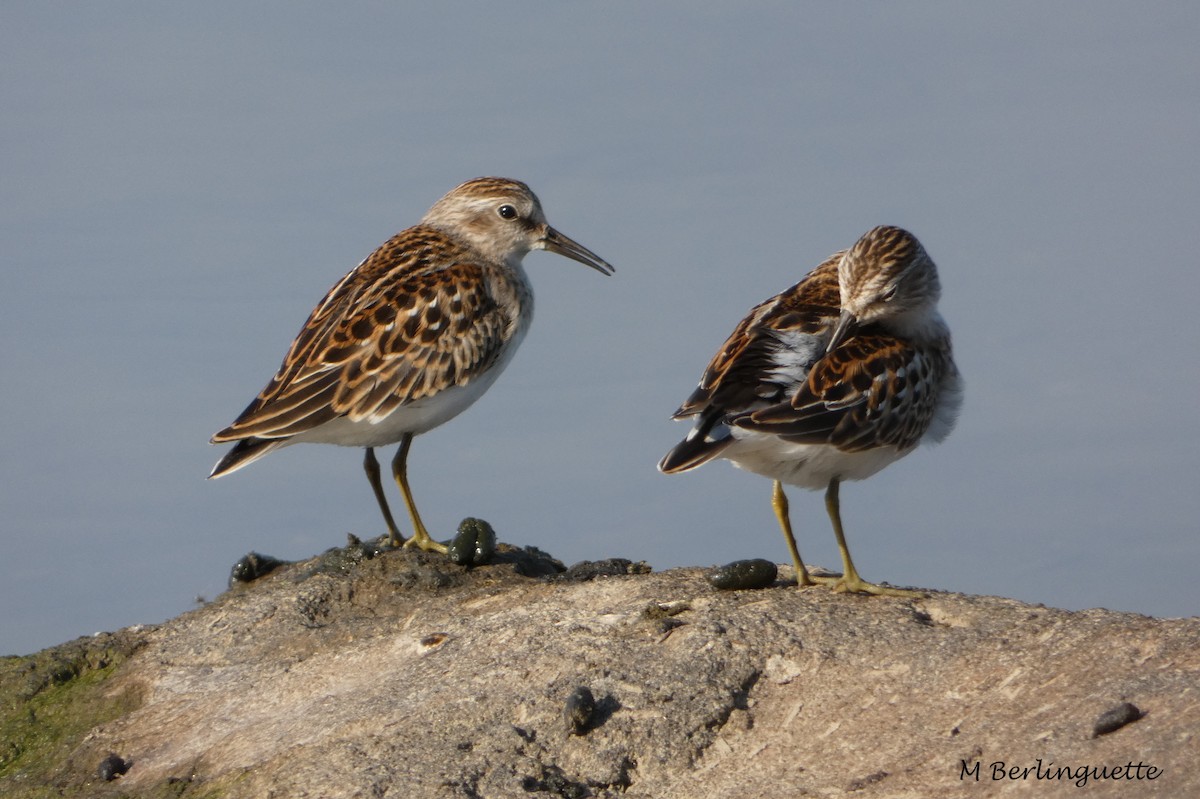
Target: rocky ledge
400	674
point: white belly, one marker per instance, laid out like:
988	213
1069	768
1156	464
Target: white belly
805	465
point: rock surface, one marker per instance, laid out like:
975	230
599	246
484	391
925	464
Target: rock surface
404	675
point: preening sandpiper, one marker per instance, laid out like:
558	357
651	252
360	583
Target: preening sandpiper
831	380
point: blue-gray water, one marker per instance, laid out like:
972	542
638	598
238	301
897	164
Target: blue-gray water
180	184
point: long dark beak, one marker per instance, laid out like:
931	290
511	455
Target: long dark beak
558	243
840	330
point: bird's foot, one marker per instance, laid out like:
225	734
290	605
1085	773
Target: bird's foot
857	585
809	580
806	579
421	540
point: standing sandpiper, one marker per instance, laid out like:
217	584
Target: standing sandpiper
832	380
410	338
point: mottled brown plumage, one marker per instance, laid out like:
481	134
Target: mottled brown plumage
831	380
739	377
410	337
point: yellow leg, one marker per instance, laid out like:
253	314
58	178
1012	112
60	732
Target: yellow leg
371	466
850	581
420	538
779	502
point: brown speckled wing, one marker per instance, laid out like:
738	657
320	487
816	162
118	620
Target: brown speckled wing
745	373
874	390
768	354
392	331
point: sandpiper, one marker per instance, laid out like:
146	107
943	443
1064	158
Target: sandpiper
831	380
409	338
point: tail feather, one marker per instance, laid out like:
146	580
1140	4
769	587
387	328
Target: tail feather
705	441
244	453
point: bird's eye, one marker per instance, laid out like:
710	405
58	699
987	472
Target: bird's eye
507	211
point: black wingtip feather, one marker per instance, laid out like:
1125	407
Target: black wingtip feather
699	447
242	454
